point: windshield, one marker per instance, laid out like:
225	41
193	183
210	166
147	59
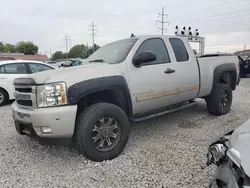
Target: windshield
113	53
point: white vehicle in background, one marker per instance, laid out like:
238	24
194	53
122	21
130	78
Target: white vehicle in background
54	63
11	69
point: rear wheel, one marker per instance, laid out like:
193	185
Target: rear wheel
220	100
102	131
3	97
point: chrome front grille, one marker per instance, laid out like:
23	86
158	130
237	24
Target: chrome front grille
24	102
25	97
24	90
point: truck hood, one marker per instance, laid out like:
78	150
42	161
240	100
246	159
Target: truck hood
72	75
240	140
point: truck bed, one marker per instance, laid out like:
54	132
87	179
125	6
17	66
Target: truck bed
207	66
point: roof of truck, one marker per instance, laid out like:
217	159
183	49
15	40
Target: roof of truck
157	36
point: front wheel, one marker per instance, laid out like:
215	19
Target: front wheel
3	97
102	131
220	100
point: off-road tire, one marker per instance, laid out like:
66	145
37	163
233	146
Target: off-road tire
214	100
5	97
84	125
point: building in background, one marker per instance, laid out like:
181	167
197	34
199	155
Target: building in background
243	53
21	56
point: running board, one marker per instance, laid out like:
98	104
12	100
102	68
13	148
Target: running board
186	105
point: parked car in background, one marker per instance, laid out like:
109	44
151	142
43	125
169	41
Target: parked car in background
133	79
71	63
54	63
244	66
11	69
231	154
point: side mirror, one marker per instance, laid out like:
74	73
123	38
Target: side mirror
144	57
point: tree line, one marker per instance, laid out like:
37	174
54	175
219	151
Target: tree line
28	48
77	51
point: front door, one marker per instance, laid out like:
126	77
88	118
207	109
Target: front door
151	85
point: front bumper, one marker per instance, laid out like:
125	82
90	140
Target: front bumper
60	121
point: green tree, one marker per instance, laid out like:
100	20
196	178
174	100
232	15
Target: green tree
1	47
78	51
90	50
9	48
58	55
27	48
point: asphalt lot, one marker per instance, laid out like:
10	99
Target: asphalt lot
167	151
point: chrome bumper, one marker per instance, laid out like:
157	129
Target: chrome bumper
54	122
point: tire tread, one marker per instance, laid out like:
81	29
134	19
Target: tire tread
82	124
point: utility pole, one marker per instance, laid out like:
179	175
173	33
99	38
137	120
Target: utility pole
66	38
45	52
93	33
50	53
87	45
162	21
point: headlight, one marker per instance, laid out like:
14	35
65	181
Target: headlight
53	94
215	153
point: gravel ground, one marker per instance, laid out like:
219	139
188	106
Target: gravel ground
168	151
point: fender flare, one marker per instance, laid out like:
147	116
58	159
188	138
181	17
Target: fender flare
81	89
228	67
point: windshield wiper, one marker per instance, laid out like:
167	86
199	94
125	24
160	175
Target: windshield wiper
97	60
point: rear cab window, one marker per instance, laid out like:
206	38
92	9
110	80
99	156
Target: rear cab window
179	49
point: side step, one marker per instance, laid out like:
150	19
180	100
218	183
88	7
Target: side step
168	111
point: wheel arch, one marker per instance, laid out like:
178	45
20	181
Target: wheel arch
112	89
6	92
221	70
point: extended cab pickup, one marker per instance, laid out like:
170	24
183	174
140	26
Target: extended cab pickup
127	80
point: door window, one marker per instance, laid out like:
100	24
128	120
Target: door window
2	71
15	68
180	50
37	67
157	46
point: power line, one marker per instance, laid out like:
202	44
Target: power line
229	27
203	20
216	8
225	16
162	21
93	33
66	38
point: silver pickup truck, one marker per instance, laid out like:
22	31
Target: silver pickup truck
128	80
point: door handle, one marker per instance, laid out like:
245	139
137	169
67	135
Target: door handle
168	71
3	77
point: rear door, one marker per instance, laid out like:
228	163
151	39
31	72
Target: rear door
11	71
186	76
